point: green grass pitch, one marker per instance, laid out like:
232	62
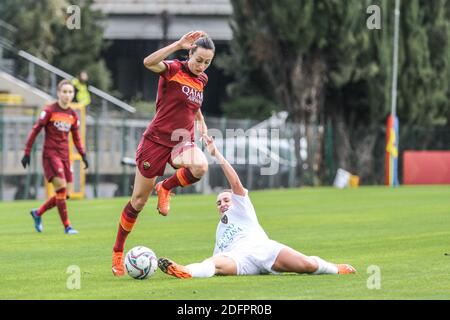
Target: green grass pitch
405	232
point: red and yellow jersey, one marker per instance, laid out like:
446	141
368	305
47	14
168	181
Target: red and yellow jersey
58	122
180	96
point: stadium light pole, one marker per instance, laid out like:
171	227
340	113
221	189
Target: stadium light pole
392	132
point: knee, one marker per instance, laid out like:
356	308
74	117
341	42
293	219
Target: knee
199	170
138	202
311	265
59	184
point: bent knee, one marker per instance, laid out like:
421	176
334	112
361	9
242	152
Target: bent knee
225	266
310	266
199	170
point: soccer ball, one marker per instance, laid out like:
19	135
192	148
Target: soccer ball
141	262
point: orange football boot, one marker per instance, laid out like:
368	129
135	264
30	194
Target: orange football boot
117	264
163	199
173	269
345	269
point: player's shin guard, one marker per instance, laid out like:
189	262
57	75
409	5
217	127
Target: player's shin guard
205	269
60	201
324	267
47	205
181	178
127	221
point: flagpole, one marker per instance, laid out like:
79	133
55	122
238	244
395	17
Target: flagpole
392	133
395	60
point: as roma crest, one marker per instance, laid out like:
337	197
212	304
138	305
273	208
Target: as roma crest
146	165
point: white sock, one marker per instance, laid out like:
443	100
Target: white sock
324	266
205	269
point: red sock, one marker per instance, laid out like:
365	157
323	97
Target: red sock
127	221
62	207
49	204
182	177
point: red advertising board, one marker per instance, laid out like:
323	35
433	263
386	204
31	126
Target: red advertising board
426	167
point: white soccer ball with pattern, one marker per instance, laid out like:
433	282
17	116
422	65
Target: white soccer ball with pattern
141	262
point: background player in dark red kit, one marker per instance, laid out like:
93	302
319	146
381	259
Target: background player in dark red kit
170	136
58	119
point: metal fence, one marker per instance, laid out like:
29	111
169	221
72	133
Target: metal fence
248	145
110	140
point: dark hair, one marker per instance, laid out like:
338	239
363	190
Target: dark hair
204	42
64	82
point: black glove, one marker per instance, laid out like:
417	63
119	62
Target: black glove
86	163
25	161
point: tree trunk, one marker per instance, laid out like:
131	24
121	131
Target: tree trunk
312	97
355	149
342	144
299	82
364	166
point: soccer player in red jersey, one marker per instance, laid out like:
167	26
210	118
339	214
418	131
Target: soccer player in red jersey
58	119
170	136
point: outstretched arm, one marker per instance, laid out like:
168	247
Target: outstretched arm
230	173
154	60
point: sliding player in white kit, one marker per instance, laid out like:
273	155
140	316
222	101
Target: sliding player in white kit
242	247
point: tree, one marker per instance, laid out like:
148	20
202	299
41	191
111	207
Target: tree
43	33
359	109
425	63
34	20
81	48
251	95
323	65
297	47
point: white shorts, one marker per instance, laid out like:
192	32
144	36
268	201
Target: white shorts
255	259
